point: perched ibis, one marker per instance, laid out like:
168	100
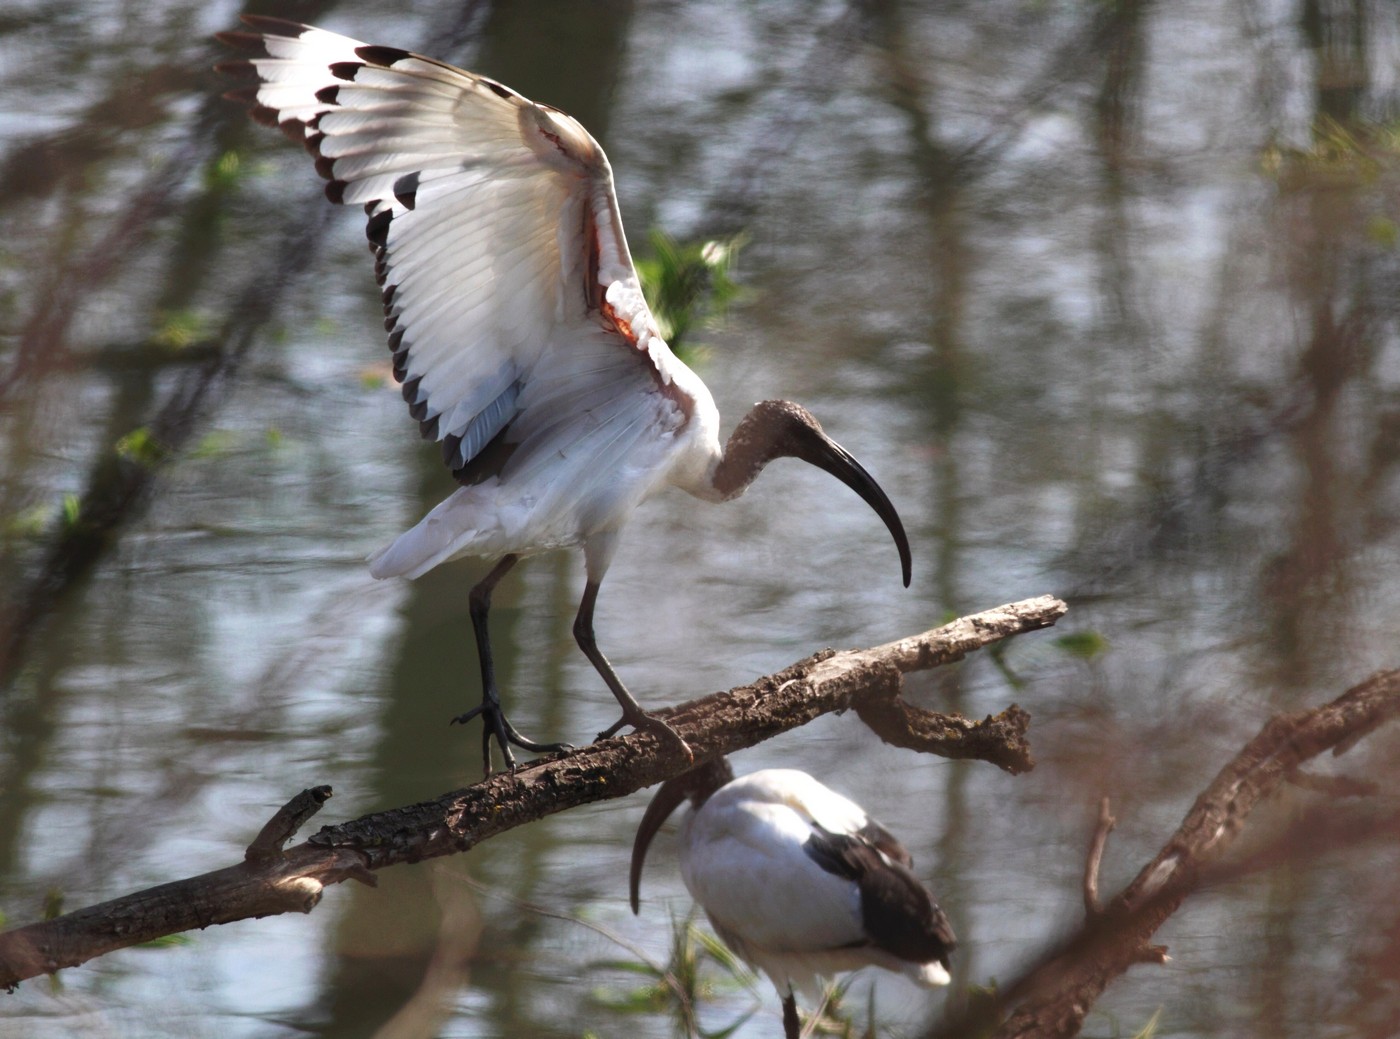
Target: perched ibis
797	880
516	321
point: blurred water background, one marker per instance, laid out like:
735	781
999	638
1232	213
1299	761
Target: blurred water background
1105	294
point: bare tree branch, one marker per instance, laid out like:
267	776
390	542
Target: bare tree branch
1051	999
1091	864
271	881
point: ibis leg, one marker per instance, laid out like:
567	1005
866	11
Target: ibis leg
632	713
792	1028
490	707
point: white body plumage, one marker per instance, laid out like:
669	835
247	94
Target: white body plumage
798	880
744	860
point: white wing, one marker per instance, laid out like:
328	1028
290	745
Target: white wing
499	248
744	863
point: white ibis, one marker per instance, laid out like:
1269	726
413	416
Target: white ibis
516	321
797	879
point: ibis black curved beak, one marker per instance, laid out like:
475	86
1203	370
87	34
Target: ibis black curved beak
696	785
827	454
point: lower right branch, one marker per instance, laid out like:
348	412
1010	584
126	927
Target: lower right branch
1051	999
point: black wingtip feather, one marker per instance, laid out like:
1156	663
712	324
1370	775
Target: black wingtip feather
327	95
406	189
377	231
265	116
345	69
335	191
380	55
452	451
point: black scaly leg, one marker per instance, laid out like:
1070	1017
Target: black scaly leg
490	707
632	713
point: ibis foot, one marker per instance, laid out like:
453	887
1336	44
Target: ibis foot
496	724
643	722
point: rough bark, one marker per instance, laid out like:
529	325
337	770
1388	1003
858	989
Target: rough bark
271	881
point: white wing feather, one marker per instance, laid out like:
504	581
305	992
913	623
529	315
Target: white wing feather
513	308
744	861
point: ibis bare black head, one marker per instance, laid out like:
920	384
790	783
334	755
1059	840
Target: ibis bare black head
782	429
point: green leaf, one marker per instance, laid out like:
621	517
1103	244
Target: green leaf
141	447
721	953
687	283
725	1033
630	966
165	941
223	171
1383	231
1086	645
180	328
1150	1029
213	444
644	1000
27	523
53	904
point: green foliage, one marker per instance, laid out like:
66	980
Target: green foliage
72	509
1085	645
53	904
832	1018
27	523
214	444
223	172
141	447
679	986
1383	231
166	941
687	284
1150	1029
1338	153
180	328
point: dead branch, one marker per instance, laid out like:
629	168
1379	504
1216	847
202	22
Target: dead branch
1091	863
1051	999
271	881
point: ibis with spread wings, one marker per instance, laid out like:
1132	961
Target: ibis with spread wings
517	324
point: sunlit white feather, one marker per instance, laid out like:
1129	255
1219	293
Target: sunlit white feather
742	859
